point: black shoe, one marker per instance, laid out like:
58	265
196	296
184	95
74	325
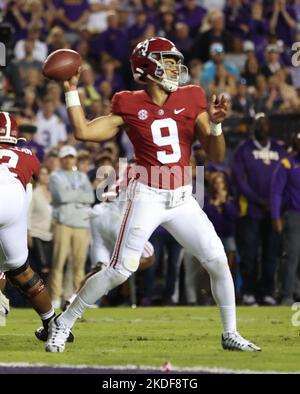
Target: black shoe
42	335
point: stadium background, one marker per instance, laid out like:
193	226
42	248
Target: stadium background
255	72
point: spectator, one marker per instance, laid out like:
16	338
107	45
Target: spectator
215	33
222	211
222	82
72	194
287	92
56	39
236	54
192	15
51	130
29	105
40	225
285	192
243	102
51	161
258	30
114	40
84	161
87	78
282	21
26	135
28	62
266	100
167	26
99	10
182	39
210	68
54	94
141	29
40	50
72	15
237	17
17	15
253	164
111	74
273	63
195	71
251	69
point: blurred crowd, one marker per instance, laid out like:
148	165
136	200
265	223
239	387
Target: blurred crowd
239	48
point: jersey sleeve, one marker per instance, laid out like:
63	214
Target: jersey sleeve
117	105
199	98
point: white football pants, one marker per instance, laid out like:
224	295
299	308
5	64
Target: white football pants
146	209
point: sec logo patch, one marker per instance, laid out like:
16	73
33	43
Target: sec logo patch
143	114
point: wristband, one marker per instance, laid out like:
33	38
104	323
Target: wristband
216	129
72	98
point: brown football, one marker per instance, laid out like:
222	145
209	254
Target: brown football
61	65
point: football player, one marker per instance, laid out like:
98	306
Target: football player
161	121
17	167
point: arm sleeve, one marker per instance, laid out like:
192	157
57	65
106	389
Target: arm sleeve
59	194
240	177
278	183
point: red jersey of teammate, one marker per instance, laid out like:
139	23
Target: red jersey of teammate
161	136
20	161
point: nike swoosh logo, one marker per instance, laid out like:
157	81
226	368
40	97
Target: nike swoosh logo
177	111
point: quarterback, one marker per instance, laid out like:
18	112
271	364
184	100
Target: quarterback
162	122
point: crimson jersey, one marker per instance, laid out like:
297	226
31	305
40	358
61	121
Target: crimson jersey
21	162
161	136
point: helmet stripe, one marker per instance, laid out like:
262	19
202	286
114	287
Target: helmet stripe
8	124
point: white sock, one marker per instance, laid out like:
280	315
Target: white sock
222	288
73	312
94	288
228	317
47	315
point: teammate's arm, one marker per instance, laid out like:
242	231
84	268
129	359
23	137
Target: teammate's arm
208	129
99	129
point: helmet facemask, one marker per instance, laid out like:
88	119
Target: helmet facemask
164	69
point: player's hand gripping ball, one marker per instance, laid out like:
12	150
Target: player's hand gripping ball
62	65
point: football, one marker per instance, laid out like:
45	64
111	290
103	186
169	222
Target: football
61	65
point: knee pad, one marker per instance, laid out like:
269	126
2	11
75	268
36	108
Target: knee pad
31	287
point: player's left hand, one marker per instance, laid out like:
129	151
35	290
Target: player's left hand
217	111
